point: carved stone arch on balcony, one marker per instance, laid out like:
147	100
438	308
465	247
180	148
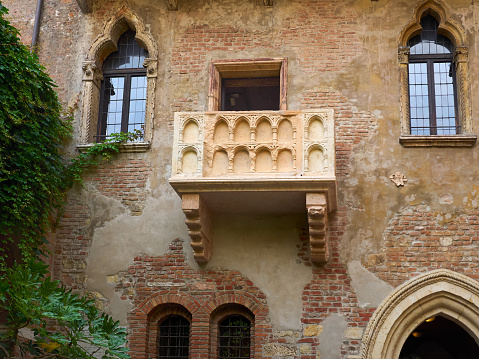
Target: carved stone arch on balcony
238	134
308	166
185	129
221	138
123	18
309	122
267	136
187	165
263	163
439	292
454	32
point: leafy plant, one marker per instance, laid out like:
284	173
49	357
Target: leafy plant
33	300
34	177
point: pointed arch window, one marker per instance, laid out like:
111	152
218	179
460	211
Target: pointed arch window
432	84
434	81
123	89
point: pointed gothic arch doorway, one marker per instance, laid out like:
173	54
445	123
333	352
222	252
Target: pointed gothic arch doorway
439	338
440	293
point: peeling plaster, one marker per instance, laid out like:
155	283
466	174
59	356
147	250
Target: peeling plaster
370	290
122	238
264	249
331	338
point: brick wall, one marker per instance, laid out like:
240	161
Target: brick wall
419	239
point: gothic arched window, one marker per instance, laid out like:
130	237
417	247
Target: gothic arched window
123	89
432	84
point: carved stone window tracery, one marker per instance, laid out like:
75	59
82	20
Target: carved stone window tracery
105	44
456	35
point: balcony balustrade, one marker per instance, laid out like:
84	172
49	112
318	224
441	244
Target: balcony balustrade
261	162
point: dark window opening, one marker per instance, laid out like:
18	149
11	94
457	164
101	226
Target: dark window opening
439	338
250	94
432	85
234	337
123	89
174	338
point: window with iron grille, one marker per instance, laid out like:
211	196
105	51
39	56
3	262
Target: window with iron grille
174	338
432	85
234	337
123	89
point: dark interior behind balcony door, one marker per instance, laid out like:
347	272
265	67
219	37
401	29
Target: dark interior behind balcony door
250	94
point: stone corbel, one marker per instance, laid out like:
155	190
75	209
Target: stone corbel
317	207
92	72
172	5
199	223
151	66
92	77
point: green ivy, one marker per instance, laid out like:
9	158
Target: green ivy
34	175
34	178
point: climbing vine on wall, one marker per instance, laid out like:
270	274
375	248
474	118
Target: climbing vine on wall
34	178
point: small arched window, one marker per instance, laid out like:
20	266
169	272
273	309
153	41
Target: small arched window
123	89
174	338
432	84
234	337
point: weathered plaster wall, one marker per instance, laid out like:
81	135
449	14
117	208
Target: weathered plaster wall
341	55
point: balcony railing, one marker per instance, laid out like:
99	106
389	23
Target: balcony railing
254	162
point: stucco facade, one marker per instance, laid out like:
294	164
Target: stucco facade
395	209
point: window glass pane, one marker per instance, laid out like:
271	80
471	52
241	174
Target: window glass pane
136	115
112	105
444	96
234	337
174	338
418	99
429	41
130	55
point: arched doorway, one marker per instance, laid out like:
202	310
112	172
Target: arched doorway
439	293
439	338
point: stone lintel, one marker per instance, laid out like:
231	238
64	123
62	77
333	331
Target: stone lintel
199	223
317	207
86	6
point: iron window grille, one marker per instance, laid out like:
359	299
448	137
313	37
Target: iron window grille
174	338
123	89
432	85
234	337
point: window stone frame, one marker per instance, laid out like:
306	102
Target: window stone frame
456	34
102	46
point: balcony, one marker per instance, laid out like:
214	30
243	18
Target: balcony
264	162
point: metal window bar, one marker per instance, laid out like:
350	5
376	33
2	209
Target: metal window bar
174	338
234	338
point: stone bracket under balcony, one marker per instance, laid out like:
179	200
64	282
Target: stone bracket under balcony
268	162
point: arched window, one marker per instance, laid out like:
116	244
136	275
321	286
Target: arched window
434	81
173	337
123	89
432	85
234	337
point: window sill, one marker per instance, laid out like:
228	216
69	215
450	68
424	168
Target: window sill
465	140
125	147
